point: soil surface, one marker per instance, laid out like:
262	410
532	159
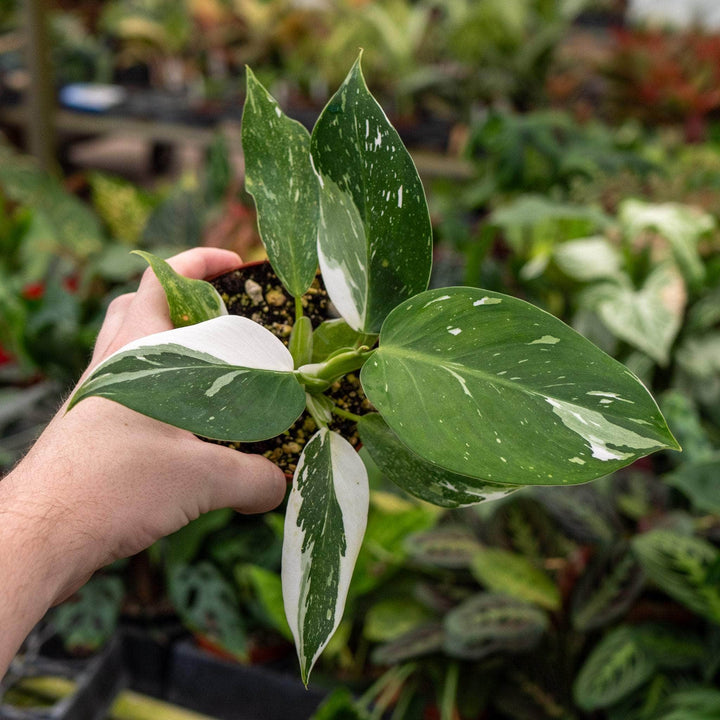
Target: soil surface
255	292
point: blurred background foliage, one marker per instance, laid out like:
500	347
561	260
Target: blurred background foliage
579	169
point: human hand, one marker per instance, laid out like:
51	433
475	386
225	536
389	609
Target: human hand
103	482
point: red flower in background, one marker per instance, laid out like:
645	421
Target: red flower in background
34	291
5	357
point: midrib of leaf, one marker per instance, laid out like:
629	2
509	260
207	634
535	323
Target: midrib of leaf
492	380
463	370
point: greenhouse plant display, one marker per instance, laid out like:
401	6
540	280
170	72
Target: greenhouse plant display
475	393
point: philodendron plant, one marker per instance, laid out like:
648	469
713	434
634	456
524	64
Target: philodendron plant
477	393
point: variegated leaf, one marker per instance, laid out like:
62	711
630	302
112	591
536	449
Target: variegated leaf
243	390
280	177
374	236
489	386
189	301
324	527
419	477
650	318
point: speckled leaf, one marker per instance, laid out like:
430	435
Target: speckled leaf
189	301
324	527
280	177
374	236
244	390
489	386
419	477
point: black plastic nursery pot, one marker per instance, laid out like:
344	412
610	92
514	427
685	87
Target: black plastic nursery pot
255	292
178	673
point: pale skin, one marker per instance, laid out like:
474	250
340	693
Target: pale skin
103	482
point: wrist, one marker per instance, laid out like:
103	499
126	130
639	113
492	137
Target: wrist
35	563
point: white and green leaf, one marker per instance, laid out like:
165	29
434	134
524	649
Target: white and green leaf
489	386
649	318
418	476
324	527
189	301
280	177
243	389
374	234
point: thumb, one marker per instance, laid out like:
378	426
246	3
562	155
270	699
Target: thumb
243	481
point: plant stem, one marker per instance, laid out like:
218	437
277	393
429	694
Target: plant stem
447	706
366	340
385	688
345	414
317	377
343	363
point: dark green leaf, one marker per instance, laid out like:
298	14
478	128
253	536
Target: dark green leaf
419	477
681	566
448	547
279	175
208	605
87	620
488	623
489	386
224	396
610	584
423	640
375	239
618	664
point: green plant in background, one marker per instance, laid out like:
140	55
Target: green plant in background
62	261
545	152
477	393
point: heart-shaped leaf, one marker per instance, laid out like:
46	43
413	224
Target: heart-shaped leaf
489	386
374	236
649	318
280	177
419	477
244	391
324	527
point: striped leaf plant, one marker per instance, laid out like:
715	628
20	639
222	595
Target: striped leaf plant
477	393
